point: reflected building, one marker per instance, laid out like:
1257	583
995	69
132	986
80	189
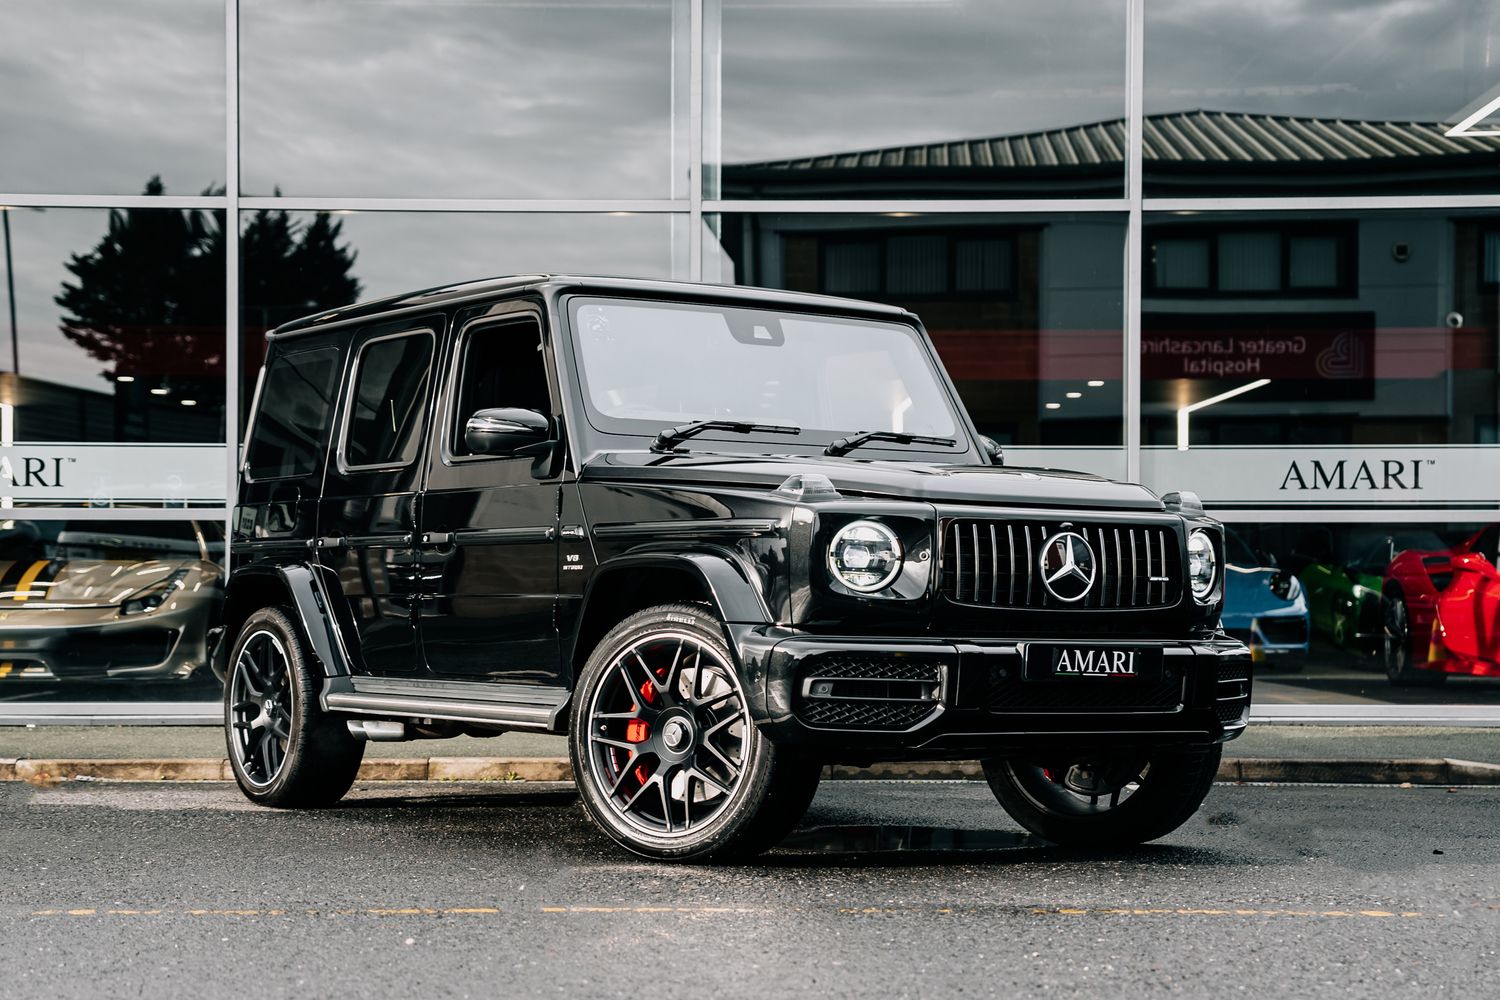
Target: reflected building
1308	335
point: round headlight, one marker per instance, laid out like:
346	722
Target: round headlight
1203	564
865	556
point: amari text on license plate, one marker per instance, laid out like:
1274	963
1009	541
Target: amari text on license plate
1046	662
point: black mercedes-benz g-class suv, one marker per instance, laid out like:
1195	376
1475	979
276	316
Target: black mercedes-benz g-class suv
720	537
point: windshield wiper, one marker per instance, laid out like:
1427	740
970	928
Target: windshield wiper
845	445
670	438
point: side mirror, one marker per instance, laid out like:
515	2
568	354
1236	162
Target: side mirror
992	449
505	432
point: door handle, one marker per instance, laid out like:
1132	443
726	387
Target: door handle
436	539
329	542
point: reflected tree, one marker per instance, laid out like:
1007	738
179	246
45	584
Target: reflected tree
148	303
289	269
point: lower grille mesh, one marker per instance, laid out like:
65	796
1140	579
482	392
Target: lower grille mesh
898	678
1232	692
864	714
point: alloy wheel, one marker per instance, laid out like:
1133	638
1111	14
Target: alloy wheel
260	708
667	734
1081	788
1396	636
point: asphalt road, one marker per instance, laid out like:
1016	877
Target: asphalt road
888	889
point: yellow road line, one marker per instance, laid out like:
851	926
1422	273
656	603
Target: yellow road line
429	911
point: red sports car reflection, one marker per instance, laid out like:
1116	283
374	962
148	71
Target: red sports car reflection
1466	631
1442	612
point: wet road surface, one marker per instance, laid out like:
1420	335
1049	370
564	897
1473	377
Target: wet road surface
887	889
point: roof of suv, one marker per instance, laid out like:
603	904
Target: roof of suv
449	294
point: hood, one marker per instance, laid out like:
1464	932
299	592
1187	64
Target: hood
79	583
957	484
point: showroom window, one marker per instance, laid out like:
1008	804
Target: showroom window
100	96
1027	99
1294	99
494	99
1277	285
1404	354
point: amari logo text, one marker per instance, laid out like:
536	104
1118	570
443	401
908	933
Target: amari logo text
32	471
1370	474
1096	663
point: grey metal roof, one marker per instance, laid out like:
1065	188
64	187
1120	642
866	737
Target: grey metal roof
1184	137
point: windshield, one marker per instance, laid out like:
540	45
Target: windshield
650	365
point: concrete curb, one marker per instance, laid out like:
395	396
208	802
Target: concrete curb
1435	771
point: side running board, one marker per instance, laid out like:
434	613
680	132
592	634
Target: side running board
514	705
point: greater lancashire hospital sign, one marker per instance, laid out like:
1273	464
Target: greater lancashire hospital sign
107	474
1322	355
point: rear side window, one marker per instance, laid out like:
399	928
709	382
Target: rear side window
389	402
291	423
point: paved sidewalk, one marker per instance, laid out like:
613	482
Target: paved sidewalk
1369	743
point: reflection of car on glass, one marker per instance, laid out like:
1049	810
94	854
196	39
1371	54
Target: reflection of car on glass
91	600
719	537
1439	611
1344	599
1264	606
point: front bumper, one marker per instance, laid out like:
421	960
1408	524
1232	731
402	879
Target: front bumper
90	644
865	699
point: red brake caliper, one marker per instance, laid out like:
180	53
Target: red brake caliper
638	730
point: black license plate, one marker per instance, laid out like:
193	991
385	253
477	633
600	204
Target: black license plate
1092	663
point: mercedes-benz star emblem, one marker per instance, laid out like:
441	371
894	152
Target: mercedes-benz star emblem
1068	566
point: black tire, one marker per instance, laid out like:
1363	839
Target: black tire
1396	653
284	749
1142	798
660	708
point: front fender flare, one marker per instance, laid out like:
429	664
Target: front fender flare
727	581
309	599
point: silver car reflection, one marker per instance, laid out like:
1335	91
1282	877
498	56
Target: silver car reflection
88	600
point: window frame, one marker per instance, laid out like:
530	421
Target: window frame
1346	264
951	235
351	387
448	429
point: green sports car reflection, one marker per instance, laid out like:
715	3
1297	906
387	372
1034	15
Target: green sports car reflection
1344	595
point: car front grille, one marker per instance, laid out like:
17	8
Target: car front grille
996	563
874	690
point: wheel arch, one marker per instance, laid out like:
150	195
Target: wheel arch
300	588
632	583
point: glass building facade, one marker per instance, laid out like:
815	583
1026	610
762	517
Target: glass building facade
1249	250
